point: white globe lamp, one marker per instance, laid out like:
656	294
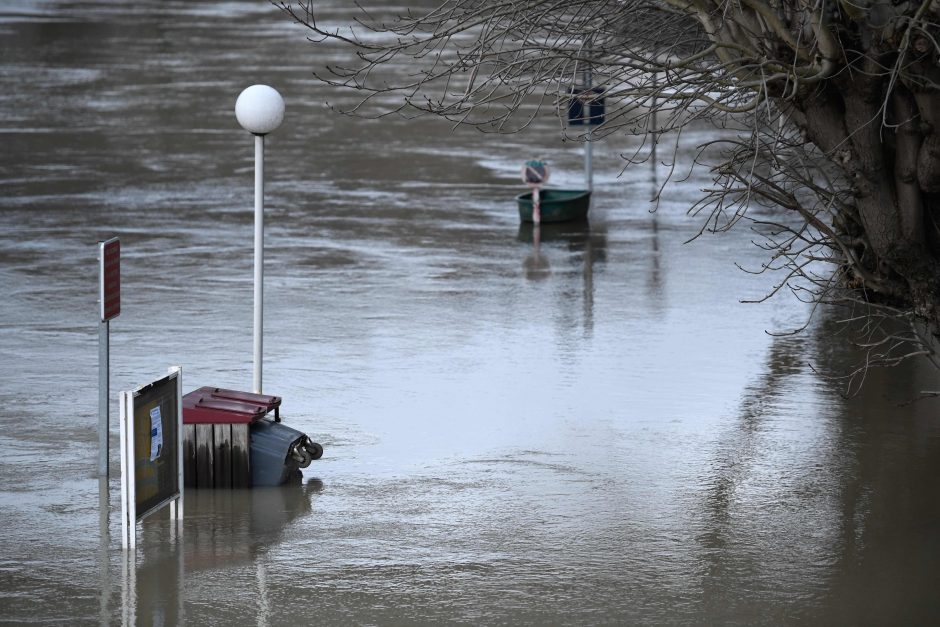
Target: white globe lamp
259	109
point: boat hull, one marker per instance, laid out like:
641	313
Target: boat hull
557	205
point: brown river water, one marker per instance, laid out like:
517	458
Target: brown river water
579	426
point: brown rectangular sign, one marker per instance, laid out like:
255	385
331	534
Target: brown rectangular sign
109	258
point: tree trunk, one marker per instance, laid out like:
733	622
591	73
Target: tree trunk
894	173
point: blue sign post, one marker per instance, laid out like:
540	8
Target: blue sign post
586	108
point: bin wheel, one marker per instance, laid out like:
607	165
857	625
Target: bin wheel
314	449
300	455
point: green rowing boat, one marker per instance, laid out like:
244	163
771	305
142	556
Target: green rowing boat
557	205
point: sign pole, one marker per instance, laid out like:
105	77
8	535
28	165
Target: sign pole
654	124
109	306
535	174
589	161
176	506
589	106
104	383
128	480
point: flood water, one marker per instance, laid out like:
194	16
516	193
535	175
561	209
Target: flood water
581	425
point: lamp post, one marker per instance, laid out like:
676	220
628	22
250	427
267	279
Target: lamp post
260	110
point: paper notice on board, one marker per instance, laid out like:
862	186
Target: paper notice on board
156	433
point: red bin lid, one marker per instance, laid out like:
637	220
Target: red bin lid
210	405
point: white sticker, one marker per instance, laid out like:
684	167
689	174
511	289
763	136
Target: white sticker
156	433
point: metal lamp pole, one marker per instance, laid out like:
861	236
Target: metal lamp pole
258	319
260	110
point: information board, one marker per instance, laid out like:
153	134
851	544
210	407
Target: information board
151	451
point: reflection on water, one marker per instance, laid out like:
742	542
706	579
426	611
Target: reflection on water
227	527
579	423
584	249
536	265
224	531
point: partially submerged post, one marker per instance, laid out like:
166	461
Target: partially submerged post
586	108
587	84
109	306
654	124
